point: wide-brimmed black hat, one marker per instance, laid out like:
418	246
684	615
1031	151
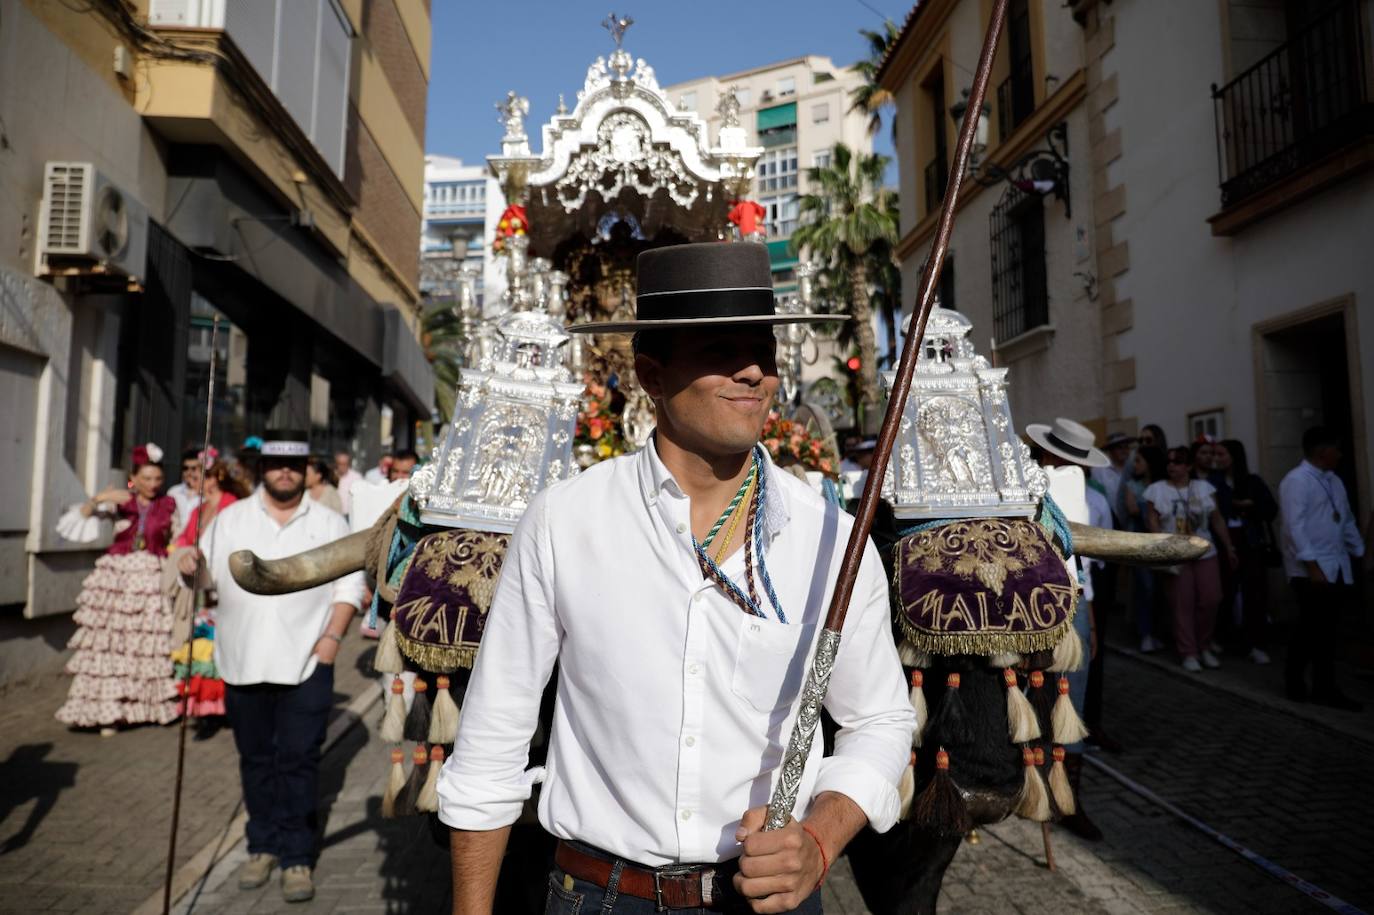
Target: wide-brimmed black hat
703	285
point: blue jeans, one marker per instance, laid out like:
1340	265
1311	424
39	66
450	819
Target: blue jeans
279	731
585	898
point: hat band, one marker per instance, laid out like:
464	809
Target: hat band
1059	443
684	304
286	449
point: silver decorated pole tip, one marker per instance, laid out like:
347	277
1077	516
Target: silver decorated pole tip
803	732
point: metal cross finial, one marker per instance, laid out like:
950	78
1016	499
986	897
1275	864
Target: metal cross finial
617	25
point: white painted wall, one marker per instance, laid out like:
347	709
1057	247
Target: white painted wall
1197	297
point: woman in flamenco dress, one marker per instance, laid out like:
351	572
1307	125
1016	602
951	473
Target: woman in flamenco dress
122	668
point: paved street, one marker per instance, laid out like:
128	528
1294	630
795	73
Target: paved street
84	820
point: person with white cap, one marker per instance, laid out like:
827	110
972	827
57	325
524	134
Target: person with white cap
276	656
1066	447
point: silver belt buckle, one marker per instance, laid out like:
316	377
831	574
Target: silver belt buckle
707	883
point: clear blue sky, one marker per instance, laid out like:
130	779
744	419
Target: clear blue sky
540	48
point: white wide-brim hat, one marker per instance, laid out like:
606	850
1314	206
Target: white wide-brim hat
1070	440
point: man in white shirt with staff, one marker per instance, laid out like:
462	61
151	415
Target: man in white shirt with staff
276	656
1319	539
680	589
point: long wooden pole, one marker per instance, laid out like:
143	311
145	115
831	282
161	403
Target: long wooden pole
828	643
198	596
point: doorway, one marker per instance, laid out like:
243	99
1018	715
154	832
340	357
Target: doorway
1306	379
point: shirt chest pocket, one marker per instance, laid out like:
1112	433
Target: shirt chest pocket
770	662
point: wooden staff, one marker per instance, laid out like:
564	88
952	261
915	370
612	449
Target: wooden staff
828	643
197	597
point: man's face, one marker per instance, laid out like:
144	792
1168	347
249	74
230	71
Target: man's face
343	463
1328	457
190	473
1117	454
401	468
283	478
713	388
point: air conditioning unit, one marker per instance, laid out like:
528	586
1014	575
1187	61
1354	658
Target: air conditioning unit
89	225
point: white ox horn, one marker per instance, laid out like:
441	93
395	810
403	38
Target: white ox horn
1134	548
302	571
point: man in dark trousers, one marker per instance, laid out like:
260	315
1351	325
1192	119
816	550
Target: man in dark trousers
680	590
1320	538
276	655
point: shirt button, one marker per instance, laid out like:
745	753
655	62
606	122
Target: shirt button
682	528
697	597
686	815
653	497
693	669
690	741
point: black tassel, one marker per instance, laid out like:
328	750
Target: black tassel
417	719
950	724
415	782
940	808
1042	697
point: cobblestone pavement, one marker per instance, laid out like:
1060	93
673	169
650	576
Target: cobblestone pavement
1286	781
84	820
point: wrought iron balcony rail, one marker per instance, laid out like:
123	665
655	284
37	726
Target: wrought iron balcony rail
1015	99
1304	100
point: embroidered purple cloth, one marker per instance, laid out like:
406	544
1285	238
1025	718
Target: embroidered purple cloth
982	586
441	606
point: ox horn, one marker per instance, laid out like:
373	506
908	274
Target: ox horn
302	571
1136	549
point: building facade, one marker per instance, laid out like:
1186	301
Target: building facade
170	164
1021	257
1213	271
797	110
462	204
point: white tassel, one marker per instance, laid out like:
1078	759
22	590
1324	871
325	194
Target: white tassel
395	783
906	788
428	801
388	660
1067	726
1068	654
1059	785
1033	802
394	719
918	702
1004	659
444	715
1021	724
911	656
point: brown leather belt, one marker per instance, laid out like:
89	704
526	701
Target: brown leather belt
693	886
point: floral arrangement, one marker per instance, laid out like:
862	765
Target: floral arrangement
598	428
512	222
790	442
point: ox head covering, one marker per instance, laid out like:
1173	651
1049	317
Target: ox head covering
441	607
285	444
982	586
702	285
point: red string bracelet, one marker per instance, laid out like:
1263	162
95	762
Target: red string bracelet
825	862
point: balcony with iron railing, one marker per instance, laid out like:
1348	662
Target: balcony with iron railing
1304	101
1015	99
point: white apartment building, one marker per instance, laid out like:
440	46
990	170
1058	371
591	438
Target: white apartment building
797	110
462	205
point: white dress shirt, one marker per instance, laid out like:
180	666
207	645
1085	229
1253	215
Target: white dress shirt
1110	478
674	705
186	499
346	488
271	638
1308	498
1069	490
1099	515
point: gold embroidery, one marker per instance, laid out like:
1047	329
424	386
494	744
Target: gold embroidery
471	559
983	549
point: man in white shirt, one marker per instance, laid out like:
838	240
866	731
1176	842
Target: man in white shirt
680	590
343	469
187	493
1319	539
276	656
1066	448
1118	450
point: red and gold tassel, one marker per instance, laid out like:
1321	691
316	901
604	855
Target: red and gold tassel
1021	724
443	716
940	808
1068	727
395	783
1060	789
394	719
918	702
1033	803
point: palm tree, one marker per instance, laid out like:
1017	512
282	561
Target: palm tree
442	338
869	97
844	218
